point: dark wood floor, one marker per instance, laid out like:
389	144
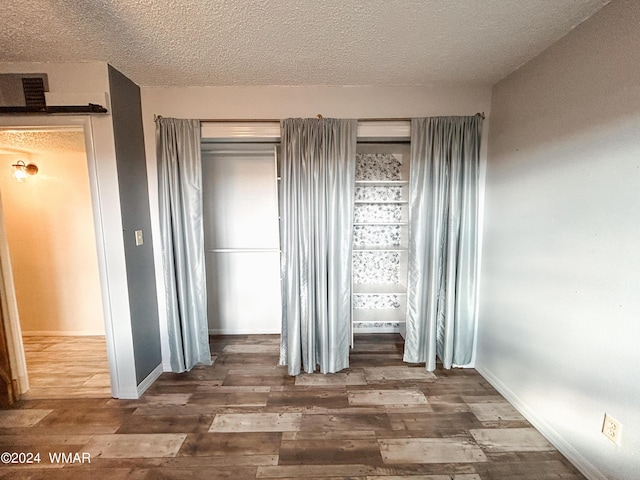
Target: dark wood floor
244	418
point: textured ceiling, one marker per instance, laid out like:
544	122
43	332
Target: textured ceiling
291	42
41	141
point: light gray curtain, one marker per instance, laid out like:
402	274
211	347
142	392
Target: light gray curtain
316	210
181	229
443	240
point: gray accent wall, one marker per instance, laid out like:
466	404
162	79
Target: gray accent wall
134	199
559	316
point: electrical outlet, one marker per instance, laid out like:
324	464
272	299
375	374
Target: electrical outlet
612	429
139	239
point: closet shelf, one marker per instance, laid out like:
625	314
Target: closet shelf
382	182
381	202
379	315
379	289
377	248
380	223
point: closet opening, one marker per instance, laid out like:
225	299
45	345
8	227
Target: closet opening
380	238
241	234
242	245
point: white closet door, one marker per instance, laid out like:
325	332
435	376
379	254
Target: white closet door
242	240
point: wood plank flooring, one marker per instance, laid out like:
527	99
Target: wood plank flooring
244	418
64	367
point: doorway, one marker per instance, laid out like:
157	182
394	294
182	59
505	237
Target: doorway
52	247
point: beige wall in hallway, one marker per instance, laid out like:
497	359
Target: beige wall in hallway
52	242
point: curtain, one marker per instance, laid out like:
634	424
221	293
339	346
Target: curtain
181	229
316	209
443	240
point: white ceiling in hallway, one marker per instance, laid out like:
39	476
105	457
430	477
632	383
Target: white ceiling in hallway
41	141
291	42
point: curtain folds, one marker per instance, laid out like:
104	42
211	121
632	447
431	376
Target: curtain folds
443	240
181	228
316	208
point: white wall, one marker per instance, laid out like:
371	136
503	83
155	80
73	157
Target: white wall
49	225
242	242
277	102
80	83
559	321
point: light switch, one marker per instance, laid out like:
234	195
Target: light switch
139	239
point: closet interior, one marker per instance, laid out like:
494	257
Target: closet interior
380	238
240	193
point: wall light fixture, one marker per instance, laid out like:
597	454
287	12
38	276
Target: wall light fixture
21	171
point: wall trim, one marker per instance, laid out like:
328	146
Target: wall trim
128	394
575	457
219	331
147	382
254	131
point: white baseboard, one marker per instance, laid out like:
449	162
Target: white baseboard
575	457
152	377
61	333
132	394
219	331
127	394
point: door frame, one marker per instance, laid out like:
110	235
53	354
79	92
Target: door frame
118	340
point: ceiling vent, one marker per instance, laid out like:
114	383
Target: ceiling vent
23	90
23	94
33	88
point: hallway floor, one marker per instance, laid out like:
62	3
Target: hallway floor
67	367
245	418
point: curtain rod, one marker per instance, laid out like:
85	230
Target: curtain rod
274	120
